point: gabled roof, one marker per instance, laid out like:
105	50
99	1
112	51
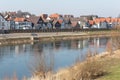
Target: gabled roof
2	15
54	16
19	19
10	19
44	16
119	20
108	19
74	23
34	19
91	22
112	19
97	20
60	21
102	19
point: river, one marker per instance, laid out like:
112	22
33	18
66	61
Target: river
24	59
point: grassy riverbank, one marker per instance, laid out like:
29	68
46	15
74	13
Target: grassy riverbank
113	68
114	71
105	66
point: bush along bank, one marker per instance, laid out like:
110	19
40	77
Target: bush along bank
13	41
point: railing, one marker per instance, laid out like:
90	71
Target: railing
52	30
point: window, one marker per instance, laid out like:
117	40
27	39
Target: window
3	24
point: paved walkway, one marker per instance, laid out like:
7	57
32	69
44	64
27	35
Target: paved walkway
28	35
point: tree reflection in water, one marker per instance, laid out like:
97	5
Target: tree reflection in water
43	63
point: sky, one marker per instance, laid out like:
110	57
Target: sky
103	8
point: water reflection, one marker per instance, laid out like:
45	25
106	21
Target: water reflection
25	58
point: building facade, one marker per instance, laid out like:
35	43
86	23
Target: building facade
4	24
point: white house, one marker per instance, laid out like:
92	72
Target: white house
4	24
22	23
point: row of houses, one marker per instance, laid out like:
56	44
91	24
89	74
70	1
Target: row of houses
46	21
33	22
104	22
93	21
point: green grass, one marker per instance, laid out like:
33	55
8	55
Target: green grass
113	70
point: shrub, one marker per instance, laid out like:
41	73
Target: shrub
90	69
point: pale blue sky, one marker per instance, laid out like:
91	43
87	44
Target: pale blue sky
104	8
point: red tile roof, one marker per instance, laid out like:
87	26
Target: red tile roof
119	20
108	19
91	22
60	21
19	19
97	20
102	19
54	16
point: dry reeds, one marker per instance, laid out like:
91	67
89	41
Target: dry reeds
90	69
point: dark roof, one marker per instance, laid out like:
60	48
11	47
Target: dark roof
44	16
34	19
1	15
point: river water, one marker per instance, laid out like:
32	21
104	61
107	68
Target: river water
24	59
